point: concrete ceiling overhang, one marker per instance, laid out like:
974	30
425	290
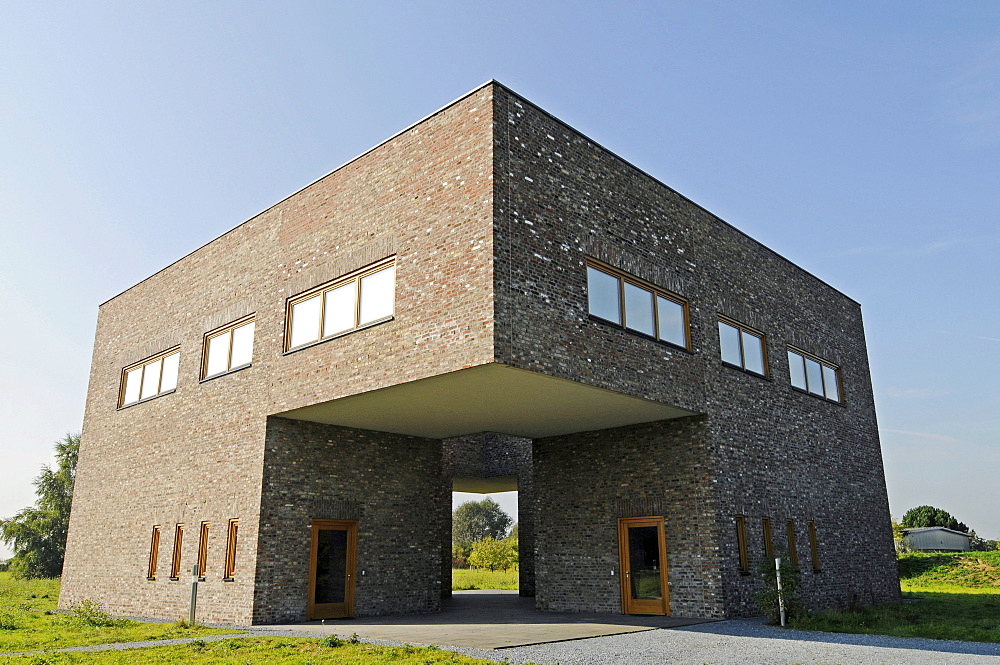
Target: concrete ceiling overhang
488	398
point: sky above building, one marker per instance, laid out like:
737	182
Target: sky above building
861	141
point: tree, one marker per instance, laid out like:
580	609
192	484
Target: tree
38	534
977	544
493	554
925	516
899	538
475	520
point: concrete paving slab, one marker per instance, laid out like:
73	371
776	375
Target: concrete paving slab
484	620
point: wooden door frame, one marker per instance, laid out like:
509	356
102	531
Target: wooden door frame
642	607
351	526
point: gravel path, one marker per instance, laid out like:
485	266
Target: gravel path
739	642
736	642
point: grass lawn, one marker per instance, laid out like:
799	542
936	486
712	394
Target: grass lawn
954	597
28	620
252	650
473	578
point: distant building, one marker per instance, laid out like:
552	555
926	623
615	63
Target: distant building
937	539
486	301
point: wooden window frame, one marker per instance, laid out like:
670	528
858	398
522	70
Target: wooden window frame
823	363
793	553
743	328
203	549
741	543
154	553
232	536
813	546
321	290
765	525
623	278
175	560
209	336
159	382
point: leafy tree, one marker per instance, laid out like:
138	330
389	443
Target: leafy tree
493	554
475	520
38	534
925	516
978	544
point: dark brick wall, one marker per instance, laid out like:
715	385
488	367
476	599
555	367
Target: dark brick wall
585	482
773	451
388	483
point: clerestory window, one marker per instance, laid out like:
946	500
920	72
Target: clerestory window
358	300
149	378
810	374
638	306
228	348
742	347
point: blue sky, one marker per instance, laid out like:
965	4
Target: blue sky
860	140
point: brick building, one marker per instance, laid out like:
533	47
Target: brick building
488	300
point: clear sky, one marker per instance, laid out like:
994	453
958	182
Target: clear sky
860	140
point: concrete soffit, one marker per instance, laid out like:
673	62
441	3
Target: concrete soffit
488	398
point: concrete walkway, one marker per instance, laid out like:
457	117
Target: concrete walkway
483	620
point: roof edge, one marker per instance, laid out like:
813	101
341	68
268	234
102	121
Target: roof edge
322	177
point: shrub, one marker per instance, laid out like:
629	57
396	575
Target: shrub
332	641
767	597
92	613
493	554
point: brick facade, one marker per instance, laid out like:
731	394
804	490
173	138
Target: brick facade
490	207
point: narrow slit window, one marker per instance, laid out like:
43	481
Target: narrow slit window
154	552
175	562
765	523
793	552
636	305
203	550
742	347
229	571
741	542
813	546
814	375
228	348
149	378
359	299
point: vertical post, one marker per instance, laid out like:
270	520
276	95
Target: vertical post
194	594
781	596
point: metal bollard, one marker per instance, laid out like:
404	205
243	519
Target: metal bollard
194	594
781	596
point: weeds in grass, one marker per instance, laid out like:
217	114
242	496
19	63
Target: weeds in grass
92	613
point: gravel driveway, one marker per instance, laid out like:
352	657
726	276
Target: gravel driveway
747	641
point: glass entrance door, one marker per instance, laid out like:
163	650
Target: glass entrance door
642	550
331	569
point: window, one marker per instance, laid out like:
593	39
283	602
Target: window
175	562
765	523
741	541
813	375
230	570
742	347
360	299
154	550
149	378
813	546
636	305
202	550
228	348
793	553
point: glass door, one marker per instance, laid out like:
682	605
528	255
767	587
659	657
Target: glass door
331	569
642	550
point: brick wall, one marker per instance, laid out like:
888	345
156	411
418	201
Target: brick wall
773	450
388	483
